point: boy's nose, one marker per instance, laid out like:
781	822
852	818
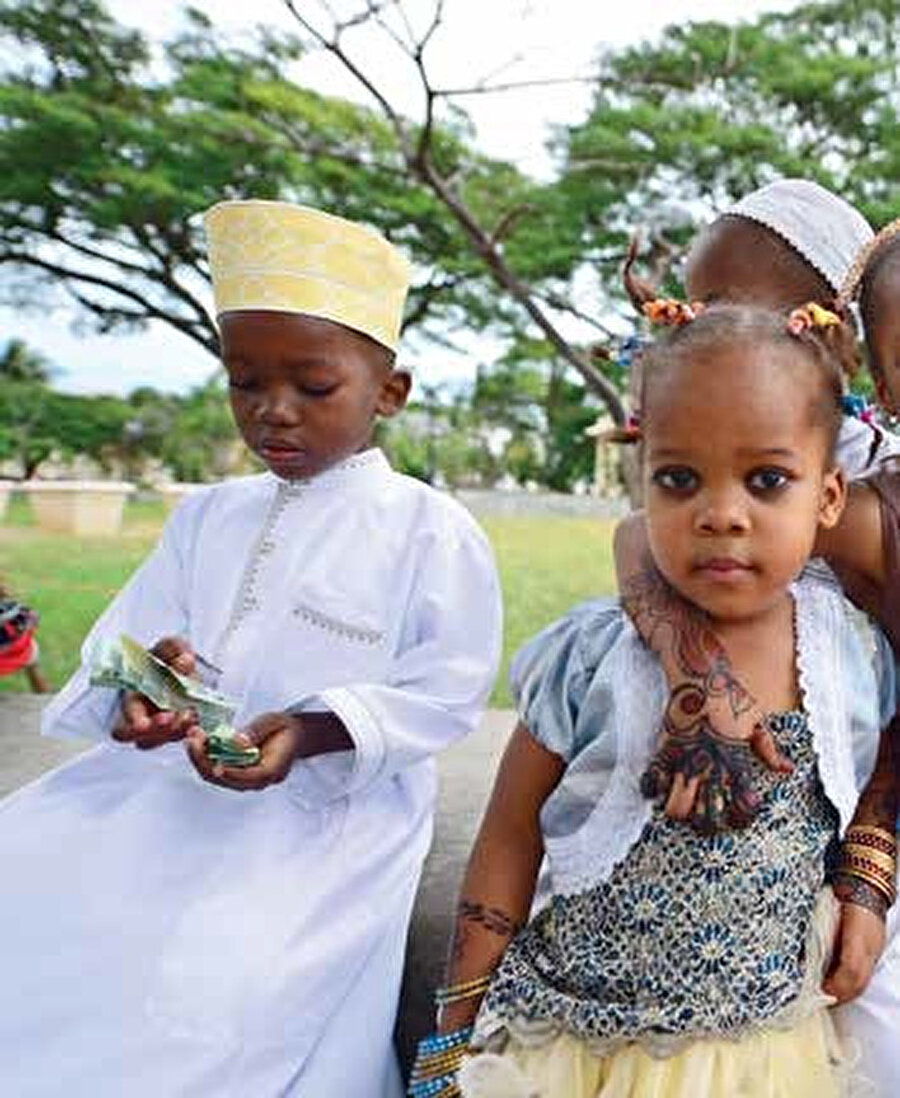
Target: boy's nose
279	405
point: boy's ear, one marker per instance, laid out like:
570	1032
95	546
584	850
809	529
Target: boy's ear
833	497
394	392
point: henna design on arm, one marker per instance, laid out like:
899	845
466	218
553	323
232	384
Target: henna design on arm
470	915
682	637
711	723
491	918
851	890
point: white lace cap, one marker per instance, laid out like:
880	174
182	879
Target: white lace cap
827	231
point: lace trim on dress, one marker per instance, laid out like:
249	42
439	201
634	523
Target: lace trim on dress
819	616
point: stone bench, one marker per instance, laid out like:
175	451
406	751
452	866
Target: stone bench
466	772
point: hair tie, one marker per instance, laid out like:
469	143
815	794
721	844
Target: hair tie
672	313
855	405
811	316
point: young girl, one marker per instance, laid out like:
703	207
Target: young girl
774	245
175	928
670	962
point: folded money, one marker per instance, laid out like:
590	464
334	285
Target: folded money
127	665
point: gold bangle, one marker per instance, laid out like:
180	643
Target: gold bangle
449	1000
427	1064
866	856
877	864
870	850
465	986
877	837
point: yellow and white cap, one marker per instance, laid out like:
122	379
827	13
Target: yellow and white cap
294	259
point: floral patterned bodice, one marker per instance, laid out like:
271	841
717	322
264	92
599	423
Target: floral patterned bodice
691	935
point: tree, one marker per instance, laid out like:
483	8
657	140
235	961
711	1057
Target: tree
38	422
545	413
681	128
202	441
19	362
105	162
518	222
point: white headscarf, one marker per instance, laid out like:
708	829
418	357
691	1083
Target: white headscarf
827	231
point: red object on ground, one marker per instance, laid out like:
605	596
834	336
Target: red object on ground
18	648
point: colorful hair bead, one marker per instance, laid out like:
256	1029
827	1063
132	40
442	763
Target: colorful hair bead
810	316
672	313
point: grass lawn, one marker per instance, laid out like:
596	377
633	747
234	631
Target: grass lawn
546	565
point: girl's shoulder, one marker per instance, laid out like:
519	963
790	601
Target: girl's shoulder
575	643
572	669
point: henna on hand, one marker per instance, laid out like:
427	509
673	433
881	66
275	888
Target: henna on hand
712	724
692	748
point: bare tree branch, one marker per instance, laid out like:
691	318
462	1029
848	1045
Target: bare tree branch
485	88
421	165
201	331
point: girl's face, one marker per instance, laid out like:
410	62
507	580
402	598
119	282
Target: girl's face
305	392
736	477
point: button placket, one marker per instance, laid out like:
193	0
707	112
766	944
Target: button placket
248	598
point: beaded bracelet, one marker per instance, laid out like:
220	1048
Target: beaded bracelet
438	1059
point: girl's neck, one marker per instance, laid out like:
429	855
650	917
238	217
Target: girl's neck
762	652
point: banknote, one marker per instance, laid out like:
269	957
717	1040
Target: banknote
126	665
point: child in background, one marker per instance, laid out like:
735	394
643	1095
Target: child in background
670	962
175	928
18	644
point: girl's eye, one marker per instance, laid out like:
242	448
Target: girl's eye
767	480
676	478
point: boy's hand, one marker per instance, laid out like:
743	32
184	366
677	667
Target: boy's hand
859	941
140	722
277	735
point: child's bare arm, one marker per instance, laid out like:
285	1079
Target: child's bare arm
861	932
499	882
700	767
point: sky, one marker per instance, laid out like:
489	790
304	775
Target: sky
500	40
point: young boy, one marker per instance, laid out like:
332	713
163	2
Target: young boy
167	935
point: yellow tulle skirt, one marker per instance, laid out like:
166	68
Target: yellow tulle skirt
801	1062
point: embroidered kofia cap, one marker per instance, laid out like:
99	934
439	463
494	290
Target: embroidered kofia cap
827	231
294	259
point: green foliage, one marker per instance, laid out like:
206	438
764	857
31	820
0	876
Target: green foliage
545	412
19	362
106	161
36	422
712	111
200	442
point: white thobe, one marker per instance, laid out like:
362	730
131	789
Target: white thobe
165	937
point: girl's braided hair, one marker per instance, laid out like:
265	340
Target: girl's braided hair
821	333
